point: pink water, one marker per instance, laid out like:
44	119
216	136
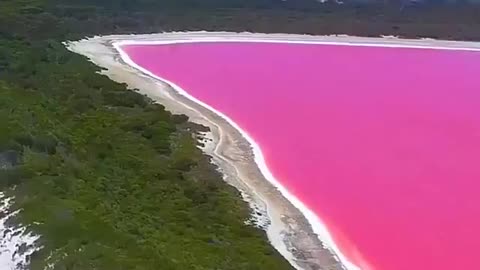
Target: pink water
382	143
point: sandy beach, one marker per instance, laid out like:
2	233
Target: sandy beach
293	229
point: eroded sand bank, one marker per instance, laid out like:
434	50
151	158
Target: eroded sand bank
289	231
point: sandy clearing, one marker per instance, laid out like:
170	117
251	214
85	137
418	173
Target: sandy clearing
16	242
291	228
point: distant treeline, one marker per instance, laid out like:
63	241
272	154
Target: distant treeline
110	179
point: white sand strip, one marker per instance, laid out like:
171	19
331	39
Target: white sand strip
343	40
318	226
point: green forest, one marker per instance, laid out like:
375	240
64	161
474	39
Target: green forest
111	180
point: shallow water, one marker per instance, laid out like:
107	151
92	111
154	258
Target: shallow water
382	143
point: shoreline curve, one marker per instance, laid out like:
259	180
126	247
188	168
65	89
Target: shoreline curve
318	226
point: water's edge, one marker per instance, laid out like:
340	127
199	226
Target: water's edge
317	224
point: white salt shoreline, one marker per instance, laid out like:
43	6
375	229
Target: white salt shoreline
205	36
318	226
193	37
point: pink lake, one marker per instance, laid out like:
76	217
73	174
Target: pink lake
382	143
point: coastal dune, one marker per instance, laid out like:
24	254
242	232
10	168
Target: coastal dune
293	229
